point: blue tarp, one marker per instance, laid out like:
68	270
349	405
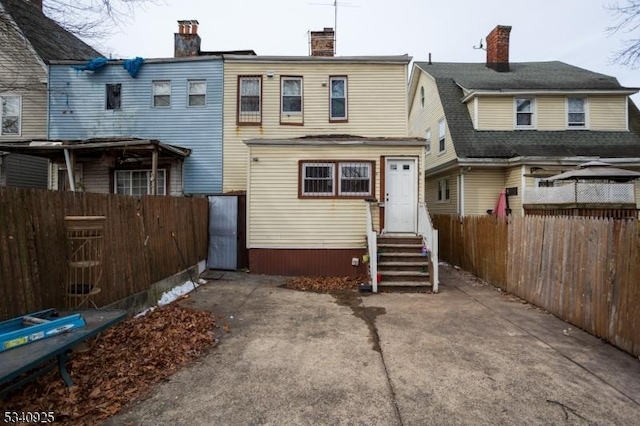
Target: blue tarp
93	65
133	66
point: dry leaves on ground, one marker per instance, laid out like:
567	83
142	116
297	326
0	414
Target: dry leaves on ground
325	284
119	365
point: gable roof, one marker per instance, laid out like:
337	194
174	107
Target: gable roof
49	39
471	143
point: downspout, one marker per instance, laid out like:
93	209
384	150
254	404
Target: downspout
70	169
154	171
461	190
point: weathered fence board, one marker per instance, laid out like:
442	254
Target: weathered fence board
583	270
138	244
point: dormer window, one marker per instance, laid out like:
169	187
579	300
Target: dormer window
576	112
525	108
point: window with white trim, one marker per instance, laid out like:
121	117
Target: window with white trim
138	182
338	99
576	112
10	113
427	146
197	90
250	99
291	91
162	94
525	108
336	178
444	193
442	132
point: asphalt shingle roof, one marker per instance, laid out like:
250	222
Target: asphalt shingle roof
50	40
471	143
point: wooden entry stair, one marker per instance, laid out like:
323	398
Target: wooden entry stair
402	264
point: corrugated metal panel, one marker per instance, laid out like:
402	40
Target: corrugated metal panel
607	112
78	111
481	190
495	113
279	219
26	171
223	232
552	112
377	106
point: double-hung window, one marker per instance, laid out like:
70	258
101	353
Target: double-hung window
338	106
162	94
444	194
291	95
524	112
442	132
138	182
10	114
197	92
336	179
576	112
113	96
249	100
427	146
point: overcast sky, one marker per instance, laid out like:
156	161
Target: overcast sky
572	31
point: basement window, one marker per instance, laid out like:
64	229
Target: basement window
113	96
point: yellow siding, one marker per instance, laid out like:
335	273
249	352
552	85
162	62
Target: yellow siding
514	179
481	190
471	107
495	113
377	106
442	207
608	112
277	218
552	112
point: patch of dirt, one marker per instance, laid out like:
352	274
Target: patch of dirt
119	366
325	284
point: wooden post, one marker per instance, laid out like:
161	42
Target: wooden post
154	171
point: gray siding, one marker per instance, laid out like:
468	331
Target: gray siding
24	171
77	111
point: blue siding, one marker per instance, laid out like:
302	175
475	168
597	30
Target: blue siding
77	110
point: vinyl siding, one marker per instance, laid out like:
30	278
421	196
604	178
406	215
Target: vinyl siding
471	107
277	218
25	171
495	113
442	207
481	190
552	112
514	179
377	106
78	111
608	112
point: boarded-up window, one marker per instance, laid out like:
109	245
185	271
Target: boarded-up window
114	96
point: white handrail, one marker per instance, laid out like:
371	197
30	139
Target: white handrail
373	251
430	240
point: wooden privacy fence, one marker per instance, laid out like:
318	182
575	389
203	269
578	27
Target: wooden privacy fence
583	270
138	246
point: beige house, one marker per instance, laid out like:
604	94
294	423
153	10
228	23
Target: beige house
508	126
319	143
28	41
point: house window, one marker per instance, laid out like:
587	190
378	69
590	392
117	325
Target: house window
291	90
138	182
442	131
421	96
197	92
524	112
355	179
318	179
161	94
338	99
443	190
249	100
427	146
10	114
114	92
576	112
336	178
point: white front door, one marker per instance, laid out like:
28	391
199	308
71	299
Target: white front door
400	195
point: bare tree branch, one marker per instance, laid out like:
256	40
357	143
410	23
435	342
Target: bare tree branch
627	22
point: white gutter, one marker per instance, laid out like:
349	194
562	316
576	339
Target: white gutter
507	92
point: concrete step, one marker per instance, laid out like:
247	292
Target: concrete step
394	284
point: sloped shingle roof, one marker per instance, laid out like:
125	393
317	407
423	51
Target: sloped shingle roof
50	40
471	143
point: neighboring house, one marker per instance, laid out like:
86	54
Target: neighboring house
28	42
176	101
317	141
499	125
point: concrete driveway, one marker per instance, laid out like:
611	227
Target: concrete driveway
468	355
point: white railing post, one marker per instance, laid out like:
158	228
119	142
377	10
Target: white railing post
434	260
373	250
430	239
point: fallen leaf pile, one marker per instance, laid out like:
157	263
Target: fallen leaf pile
119	365
325	284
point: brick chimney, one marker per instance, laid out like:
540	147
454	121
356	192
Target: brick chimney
186	40
36	3
498	48
322	42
